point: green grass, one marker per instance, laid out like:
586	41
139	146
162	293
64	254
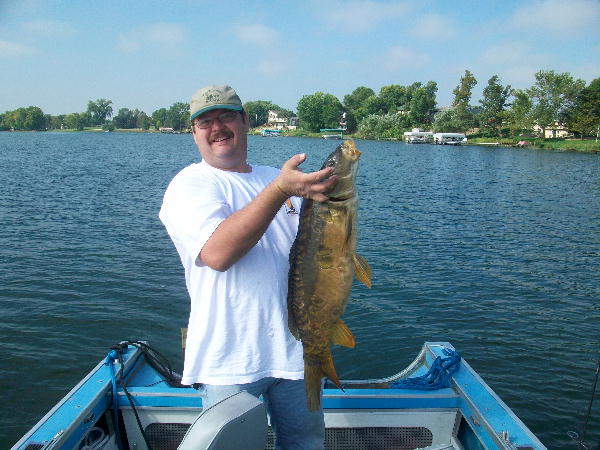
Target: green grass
579	145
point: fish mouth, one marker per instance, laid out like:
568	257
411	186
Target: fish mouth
339	199
350	150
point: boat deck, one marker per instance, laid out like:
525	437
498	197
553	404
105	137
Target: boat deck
368	414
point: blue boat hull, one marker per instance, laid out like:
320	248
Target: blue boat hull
367	414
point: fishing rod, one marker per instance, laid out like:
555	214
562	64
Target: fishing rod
582	443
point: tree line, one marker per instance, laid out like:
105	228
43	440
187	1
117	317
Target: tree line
98	113
554	98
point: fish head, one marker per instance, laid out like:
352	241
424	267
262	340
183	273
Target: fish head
344	160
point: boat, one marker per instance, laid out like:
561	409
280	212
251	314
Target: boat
332	133
270	132
449	138
417	136
133	400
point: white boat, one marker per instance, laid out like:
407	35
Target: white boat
417	136
132	400
271	132
449	138
337	133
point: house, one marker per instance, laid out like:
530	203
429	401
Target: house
293	123
279	123
274	121
555	130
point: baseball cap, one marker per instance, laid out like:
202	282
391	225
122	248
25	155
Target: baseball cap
214	97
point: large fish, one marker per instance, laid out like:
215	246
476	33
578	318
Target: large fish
322	265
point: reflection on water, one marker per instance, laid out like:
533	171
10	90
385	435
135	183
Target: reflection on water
494	250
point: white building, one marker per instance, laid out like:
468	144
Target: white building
274	121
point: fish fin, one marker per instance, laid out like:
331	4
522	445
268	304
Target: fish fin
312	384
342	335
312	380
292	326
362	269
328	369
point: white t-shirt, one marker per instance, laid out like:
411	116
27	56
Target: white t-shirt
237	330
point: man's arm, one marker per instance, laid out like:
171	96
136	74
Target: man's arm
237	234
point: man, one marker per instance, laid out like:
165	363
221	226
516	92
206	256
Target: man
233	225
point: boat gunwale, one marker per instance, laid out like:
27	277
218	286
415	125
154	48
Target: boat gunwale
91	403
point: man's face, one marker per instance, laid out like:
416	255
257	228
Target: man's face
220	136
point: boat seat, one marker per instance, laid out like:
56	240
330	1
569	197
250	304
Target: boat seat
239	421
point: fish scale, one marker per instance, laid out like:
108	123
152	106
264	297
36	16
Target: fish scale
323	263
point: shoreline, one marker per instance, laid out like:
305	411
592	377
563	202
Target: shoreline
575	145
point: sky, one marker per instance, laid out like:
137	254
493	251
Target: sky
59	55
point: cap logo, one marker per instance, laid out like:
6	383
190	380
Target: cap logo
213	96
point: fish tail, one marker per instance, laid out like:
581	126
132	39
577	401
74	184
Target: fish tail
312	384
312	380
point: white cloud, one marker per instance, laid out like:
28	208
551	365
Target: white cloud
558	16
515	62
515	53
401	57
434	26
256	34
128	44
359	15
52	28
519	76
162	34
270	67
276	66
14	49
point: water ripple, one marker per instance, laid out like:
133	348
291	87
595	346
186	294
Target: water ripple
493	250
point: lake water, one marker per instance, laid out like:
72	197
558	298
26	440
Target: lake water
495	250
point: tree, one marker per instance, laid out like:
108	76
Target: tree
552	95
422	104
355	100
56	122
318	111
493	103
354	106
34	119
26	119
16	119
519	115
383	126
583	117
462	92
462	117
372	105
124	119
394	98
179	115
444	121
75	121
143	121
258	111
160	118
99	110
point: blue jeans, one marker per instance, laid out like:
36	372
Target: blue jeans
295	426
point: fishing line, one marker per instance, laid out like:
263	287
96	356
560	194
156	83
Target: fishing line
573	434
156	360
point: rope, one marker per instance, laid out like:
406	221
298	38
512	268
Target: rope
111	358
438	377
155	359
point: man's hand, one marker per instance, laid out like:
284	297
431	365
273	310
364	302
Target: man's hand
291	181
239	232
